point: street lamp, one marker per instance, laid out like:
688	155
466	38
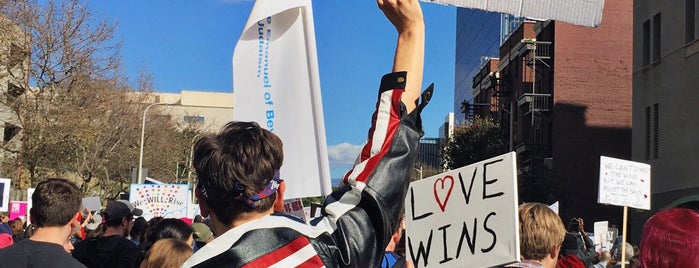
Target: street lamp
143	136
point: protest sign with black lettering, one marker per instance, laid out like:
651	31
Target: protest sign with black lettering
465	217
624	183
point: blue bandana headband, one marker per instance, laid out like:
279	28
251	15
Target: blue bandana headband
240	195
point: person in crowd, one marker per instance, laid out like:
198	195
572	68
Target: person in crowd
584	246
29	231
18	230
202	233
167	253
569	255
5	227
393	258
670	239
167	228
604	258
112	249
56	204
6	240
629	253
541	234
97	232
238	178
138	232
173	228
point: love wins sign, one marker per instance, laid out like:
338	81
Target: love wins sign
465	217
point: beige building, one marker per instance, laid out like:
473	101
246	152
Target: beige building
208	111
665	98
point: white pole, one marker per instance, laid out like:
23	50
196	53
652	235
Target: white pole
143	136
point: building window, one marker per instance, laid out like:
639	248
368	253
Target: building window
656	37
194	119
648	121
656	130
689	20
646	43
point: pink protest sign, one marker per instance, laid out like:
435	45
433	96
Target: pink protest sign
18	209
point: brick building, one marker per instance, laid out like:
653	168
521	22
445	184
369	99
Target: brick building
562	95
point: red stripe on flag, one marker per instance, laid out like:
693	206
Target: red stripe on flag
313	262
392	126
275	256
393	122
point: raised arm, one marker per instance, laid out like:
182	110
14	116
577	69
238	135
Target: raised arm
406	16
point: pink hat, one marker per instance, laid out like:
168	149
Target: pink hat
5	240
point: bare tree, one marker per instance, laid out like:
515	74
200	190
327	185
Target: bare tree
81	117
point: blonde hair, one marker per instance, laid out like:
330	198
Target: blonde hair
166	253
540	231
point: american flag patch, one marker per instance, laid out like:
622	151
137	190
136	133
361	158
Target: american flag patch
297	253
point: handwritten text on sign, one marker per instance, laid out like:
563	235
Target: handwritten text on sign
160	200
465	217
624	183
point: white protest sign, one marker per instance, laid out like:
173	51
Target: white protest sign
601	229
160	200
30	192
466	217
554	207
294	207
624	183
5	194
92	203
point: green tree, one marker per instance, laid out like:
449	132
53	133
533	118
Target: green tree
472	143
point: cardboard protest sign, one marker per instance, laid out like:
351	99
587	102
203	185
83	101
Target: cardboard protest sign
579	12
624	183
4	194
294	207
467	217
161	200
92	203
554	207
602	238
18	209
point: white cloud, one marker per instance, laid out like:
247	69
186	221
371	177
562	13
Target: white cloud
343	154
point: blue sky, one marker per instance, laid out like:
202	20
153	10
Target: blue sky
188	45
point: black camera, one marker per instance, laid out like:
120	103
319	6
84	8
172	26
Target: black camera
574	224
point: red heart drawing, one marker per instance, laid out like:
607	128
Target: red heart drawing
443	191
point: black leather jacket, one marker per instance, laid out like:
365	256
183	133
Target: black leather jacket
357	220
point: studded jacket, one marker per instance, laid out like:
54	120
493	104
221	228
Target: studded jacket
357	220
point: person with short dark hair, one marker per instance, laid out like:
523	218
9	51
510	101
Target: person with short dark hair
112	249
239	180
55	207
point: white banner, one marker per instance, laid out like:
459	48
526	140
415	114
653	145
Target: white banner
160	200
466	217
579	12
276	83
624	183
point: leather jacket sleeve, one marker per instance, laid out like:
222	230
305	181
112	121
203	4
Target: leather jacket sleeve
379	180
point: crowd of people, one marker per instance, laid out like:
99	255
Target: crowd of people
240	191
